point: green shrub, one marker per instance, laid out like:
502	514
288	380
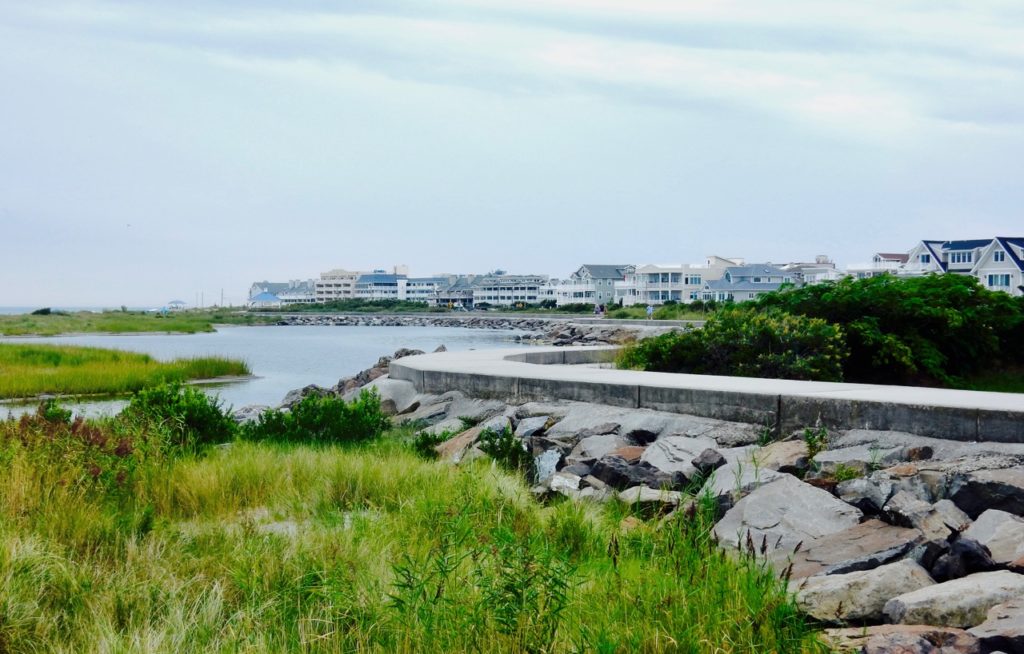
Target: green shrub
936	328
510	452
322	419
189	416
50	411
425	443
745	342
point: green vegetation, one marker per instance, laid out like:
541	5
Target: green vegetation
321	419
937	330
124	322
748	343
668	311
27	370
117	536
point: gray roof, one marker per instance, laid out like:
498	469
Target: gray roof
604	271
756	270
722	285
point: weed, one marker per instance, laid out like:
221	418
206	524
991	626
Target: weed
845	472
425	442
510	452
816	440
190	416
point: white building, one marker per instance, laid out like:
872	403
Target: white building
508	290
295	291
337	284
742	283
657	284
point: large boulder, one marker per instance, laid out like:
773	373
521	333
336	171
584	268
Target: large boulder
675	454
396	395
738	478
784	456
784	513
959	603
592	448
863	546
1003	628
455	448
858	596
978	491
533	426
1001	532
903	639
867	494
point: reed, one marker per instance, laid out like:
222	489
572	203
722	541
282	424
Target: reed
27	370
271	547
125	322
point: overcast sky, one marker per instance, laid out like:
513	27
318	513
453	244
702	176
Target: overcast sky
152	151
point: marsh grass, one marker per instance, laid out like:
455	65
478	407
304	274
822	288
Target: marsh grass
27	370
280	547
120	322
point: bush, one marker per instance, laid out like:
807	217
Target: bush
748	343
510	452
936	328
189	416
426	442
322	419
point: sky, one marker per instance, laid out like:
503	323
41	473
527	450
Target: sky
162	150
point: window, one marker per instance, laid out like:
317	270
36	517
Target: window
999	256
999	281
693	279
676	277
961	257
757	280
925	258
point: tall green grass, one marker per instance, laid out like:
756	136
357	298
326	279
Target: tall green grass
124	322
29	370
264	547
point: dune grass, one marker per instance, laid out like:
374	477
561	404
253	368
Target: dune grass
292	548
27	370
124	322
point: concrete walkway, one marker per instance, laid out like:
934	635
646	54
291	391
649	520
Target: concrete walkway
782	405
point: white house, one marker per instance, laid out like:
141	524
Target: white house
741	283
508	290
1000	265
657	284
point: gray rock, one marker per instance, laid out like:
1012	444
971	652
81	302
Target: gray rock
533	426
903	639
1001	532
456	448
619	473
675	454
784	456
497	424
735	480
1003	628
785	512
862	547
249	413
580	469
599	430
293	397
961	557
560	482
708	461
594	447
978	491
440	348
405	352
644	496
546	464
862	458
959	603
868	495
858	596
448	425
396	395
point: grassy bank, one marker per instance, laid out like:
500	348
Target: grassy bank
27	370
124	322
263	547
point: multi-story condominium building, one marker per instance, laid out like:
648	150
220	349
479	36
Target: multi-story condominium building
741	283
291	292
508	290
423	289
380	285
337	284
651	284
593	283
456	293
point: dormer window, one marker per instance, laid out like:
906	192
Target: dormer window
999	256
961	257
925	258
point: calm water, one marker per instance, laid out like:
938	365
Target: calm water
284	358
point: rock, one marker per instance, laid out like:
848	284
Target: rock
580	469
440	348
590	481
963	557
563	444
936	521
640	436
861	547
455	448
735	480
249	413
857	596
448	425
1001	532
600	430
978	491
560	482
1003	628
649	497
621	474
784	456
396	395
630	453
868	495
1017	565
497	424
729	434
534	426
593	448
431	413
405	352
675	454
295	396
903	639
785	512
958	603
862	458
546	464
708	461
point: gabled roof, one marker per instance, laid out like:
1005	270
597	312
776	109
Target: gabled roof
604	271
1006	242
265	297
933	248
966	245
756	270
902	257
